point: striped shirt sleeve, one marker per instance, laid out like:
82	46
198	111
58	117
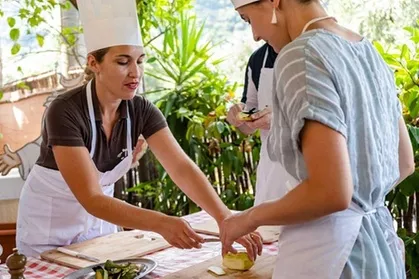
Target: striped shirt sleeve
307	91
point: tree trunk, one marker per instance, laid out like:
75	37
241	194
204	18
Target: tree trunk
400	218
71	54
408	216
417	211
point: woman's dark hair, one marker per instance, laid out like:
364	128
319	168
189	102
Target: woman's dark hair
98	55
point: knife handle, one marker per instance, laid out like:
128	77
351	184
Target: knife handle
67	251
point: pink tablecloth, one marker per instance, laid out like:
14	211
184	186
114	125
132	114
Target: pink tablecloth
169	260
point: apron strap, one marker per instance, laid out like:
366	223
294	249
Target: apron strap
129	138
266	57
92	118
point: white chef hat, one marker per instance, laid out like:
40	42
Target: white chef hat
239	3
109	23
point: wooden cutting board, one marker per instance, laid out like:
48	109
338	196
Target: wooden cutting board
117	246
269	234
262	269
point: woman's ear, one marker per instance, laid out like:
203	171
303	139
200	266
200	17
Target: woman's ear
92	64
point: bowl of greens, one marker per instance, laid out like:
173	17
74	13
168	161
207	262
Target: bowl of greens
121	269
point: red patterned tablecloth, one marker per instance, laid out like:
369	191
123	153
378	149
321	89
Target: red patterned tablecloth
169	260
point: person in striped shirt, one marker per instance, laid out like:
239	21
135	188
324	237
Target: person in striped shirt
338	130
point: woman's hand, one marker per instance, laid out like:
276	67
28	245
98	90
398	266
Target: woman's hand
261	120
232	115
239	228
179	233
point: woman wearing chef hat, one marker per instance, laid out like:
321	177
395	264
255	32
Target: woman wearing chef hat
337	128
87	146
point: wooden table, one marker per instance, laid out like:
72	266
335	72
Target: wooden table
169	260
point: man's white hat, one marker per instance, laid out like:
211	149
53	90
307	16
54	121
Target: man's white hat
109	23
240	3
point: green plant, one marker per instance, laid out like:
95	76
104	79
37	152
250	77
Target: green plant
403	201
193	98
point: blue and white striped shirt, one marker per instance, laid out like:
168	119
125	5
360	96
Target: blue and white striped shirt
348	87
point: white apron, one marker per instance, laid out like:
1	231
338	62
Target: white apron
49	214
320	249
269	173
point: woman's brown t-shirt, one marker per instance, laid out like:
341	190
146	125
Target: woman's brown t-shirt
67	123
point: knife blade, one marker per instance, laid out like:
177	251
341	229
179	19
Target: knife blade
77	254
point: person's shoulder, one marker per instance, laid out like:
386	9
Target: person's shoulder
298	51
318	43
72	94
68	102
141	105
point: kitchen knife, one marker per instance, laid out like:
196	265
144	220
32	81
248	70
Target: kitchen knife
77	254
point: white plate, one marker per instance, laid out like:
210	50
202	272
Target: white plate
88	273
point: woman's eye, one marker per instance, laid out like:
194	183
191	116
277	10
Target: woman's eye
140	62
122	63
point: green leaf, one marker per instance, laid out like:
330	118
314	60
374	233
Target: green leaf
183	111
169	105
401	201
410	185
66	5
405	53
413	271
379	47
407	187
414	106
256	154
151	59
199	131
194	71
220	110
402	232
220	127
19	69
168	71
157	77
33	21
1	94
14	34
414	136
226	165
40	40
11	21
23	13
15	49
